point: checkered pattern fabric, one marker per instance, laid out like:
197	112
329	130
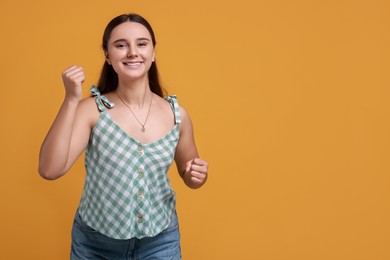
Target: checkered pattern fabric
127	192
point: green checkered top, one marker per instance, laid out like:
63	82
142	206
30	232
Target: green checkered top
127	192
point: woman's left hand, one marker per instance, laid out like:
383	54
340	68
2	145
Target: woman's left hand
196	173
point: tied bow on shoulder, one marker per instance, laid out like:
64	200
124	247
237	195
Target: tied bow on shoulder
101	101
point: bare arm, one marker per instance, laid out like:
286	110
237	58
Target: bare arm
68	136
191	168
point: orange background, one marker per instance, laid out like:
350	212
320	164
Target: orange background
290	103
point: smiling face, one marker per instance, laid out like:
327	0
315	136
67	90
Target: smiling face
130	51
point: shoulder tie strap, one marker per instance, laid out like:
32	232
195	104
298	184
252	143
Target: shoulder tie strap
175	107
101	101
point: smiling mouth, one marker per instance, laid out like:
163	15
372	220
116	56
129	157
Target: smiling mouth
135	63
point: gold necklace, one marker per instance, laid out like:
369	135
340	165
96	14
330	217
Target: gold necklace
143	129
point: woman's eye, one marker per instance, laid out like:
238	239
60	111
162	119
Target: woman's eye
121	45
142	44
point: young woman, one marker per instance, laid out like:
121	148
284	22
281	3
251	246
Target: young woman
131	134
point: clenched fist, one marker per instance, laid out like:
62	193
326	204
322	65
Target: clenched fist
196	173
73	77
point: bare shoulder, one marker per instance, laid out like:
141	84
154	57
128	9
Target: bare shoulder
87	105
186	123
184	114
87	111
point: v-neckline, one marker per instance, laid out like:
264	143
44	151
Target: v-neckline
120	129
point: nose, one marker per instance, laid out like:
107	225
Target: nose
132	52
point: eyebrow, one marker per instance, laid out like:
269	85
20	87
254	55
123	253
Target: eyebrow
138	39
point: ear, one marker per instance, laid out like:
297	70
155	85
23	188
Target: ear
153	57
107	58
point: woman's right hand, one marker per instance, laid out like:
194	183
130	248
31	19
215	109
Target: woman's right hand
73	77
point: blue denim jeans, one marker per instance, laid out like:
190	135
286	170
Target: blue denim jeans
90	244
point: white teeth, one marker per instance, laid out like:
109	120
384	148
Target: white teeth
132	63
